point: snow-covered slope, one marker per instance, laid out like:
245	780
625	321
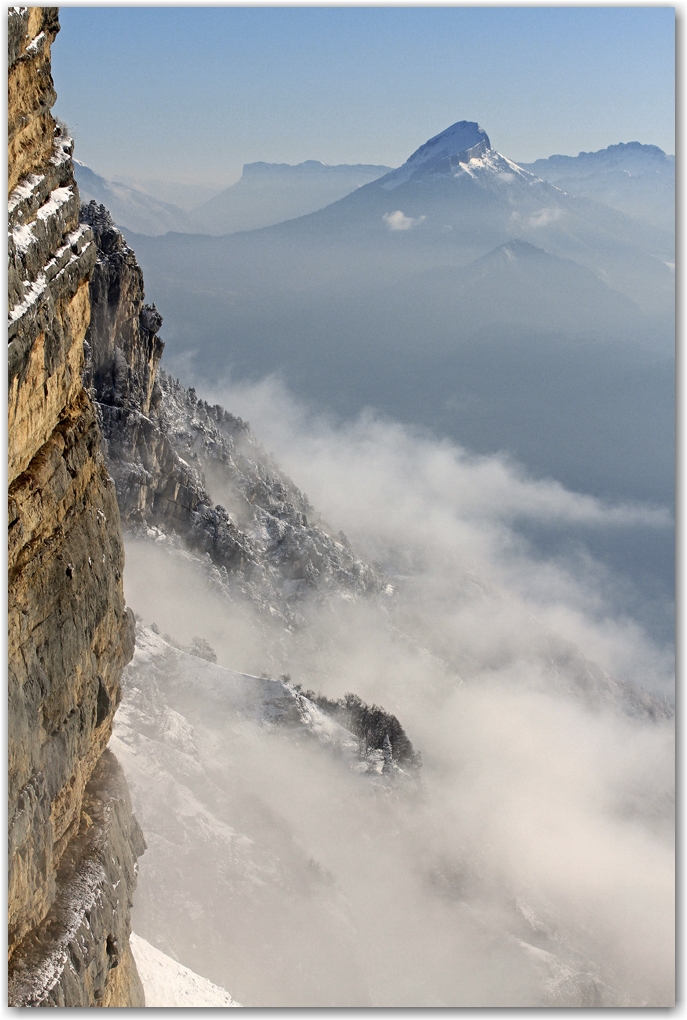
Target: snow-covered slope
221	767
168	983
286	867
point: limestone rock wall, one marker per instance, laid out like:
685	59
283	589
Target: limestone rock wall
70	633
31	94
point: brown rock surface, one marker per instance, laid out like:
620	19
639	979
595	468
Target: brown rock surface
71	832
79	954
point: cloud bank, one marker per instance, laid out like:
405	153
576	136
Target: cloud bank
537	867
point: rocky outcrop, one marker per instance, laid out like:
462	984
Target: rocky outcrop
123	350
166	449
31	94
70	633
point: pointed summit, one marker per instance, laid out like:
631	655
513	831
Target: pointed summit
454	141
457	144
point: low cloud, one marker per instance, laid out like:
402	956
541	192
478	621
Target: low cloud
399	221
541	218
406	498
537	868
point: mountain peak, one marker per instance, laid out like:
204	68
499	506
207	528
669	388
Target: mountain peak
459	143
461	136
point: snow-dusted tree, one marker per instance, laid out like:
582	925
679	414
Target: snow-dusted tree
203	649
388	754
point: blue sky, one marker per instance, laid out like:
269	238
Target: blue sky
190	94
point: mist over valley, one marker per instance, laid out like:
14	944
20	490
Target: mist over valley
499	312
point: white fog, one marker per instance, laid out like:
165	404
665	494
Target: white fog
531	862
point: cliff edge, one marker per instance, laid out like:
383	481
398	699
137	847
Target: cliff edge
73	840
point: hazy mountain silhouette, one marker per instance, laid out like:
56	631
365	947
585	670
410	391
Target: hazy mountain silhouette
130	207
459	292
637	179
269	193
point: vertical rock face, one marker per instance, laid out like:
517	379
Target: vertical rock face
73	840
123	350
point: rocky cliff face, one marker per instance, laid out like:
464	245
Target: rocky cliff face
166	449
73	840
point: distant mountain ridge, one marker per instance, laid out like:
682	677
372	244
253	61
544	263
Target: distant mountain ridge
269	193
452	201
637	179
312	166
312	299
266	194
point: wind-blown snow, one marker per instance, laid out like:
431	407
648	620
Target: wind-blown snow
168	983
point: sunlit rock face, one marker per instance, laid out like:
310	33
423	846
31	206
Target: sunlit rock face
71	832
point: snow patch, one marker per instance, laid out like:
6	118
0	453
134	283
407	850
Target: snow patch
31	296
58	198
23	237
36	44
23	191
168	983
